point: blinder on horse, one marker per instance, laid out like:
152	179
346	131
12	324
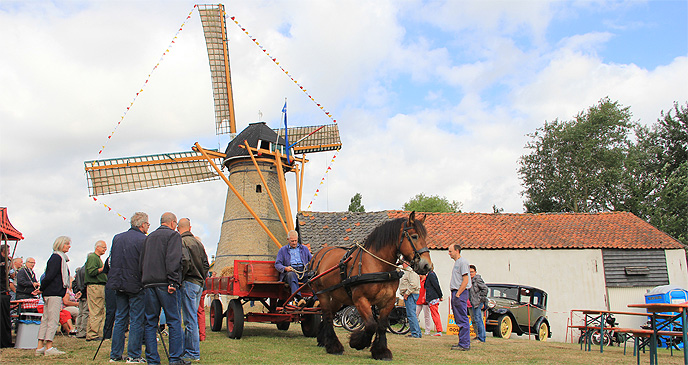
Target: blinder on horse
415	261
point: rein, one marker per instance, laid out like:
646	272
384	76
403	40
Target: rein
348	281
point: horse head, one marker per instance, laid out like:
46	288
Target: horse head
412	245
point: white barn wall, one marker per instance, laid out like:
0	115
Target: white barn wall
677	268
620	298
573	279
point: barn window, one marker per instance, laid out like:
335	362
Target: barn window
637	270
633	268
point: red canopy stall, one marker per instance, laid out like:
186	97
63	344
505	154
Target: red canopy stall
8	233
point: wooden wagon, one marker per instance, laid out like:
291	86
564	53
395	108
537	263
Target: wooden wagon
259	281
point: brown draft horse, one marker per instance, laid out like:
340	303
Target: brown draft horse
368	281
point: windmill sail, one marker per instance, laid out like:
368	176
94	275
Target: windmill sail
313	138
215	31
121	175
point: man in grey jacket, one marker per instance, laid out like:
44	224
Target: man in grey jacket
478	297
195	269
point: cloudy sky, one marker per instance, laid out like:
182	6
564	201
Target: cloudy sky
430	96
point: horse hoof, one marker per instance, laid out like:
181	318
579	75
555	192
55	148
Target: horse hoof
335	352
384	355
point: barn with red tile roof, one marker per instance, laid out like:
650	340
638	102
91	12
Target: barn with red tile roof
591	261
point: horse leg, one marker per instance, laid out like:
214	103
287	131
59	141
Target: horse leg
379	349
361	338
326	335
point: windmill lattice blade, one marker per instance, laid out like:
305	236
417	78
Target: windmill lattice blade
325	139
147	172
215	31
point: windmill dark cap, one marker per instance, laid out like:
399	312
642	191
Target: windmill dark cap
258	135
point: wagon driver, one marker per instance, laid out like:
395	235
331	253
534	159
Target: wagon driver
291	262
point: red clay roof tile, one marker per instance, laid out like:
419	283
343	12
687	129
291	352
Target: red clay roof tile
497	231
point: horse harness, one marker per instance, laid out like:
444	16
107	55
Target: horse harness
347	281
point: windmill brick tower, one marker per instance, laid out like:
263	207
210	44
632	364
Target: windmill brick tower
257	213
241	238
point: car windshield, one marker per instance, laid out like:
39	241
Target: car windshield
504	292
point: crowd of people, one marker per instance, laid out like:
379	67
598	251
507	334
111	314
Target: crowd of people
145	273
147	276
422	293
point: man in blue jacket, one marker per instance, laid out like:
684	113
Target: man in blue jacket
161	276
125	278
291	262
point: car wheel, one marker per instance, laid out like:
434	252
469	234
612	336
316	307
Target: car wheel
542	331
504	327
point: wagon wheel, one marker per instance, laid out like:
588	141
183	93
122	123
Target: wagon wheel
310	324
504	327
235	319
283	326
542	331
216	315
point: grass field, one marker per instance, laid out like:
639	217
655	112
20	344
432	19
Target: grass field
264	344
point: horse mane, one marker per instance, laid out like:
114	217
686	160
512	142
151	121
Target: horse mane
387	233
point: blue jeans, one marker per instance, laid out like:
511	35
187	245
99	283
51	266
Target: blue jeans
478	324
293	279
191	297
157	297
460	310
130	311
410	303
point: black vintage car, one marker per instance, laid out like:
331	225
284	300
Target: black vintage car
509	306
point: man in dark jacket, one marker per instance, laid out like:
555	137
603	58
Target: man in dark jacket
124	277
26	281
79	286
195	269
478	297
161	275
5	323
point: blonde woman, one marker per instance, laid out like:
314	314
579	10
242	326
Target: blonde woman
54	287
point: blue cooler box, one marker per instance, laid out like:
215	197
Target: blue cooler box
668	294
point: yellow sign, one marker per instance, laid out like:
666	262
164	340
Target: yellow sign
453	328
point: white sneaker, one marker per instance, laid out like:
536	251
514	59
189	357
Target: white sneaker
53	351
40	351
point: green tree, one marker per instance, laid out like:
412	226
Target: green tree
355	205
434	203
660	182
578	165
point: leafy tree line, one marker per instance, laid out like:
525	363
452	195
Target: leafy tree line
603	161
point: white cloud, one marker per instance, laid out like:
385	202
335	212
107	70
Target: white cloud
72	69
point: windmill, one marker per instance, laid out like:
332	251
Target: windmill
257	210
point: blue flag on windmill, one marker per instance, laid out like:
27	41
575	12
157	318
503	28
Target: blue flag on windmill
286	133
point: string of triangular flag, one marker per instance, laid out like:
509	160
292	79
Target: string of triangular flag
166	52
121	119
322	181
274	60
305	91
109	208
